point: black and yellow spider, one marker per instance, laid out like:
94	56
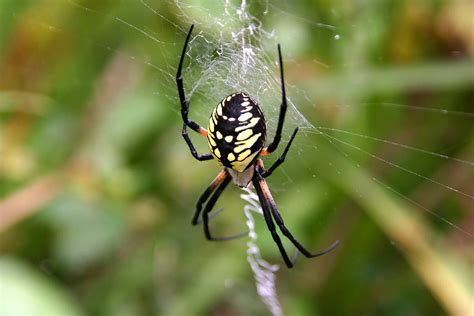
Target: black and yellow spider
236	137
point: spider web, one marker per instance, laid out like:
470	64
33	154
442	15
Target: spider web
234	54
237	52
232	50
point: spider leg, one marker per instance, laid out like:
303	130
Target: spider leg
263	191
281	118
182	96
268	219
210	204
205	195
185	108
286	232
281	159
211	215
193	150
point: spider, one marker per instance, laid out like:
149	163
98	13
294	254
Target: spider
236	137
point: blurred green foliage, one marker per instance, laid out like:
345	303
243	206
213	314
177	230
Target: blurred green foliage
97	186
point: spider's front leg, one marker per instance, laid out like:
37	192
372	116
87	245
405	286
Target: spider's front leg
185	108
182	95
281	117
193	150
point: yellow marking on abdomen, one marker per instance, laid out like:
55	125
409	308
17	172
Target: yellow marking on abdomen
214	116
252	123
244	155
211	125
211	141
245	134
246	143
241	165
244	117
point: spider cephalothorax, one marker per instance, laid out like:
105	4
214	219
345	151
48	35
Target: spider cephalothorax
236	136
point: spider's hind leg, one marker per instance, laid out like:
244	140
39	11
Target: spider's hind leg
268	219
287	233
268	205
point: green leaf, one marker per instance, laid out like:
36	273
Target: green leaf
25	291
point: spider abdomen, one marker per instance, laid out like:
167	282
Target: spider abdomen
236	131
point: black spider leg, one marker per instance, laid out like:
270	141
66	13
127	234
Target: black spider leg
268	218
207	209
182	96
280	159
193	150
266	198
205	195
212	215
185	107
281	118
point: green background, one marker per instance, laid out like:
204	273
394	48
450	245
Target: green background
97	187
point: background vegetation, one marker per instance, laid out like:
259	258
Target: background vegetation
97	188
